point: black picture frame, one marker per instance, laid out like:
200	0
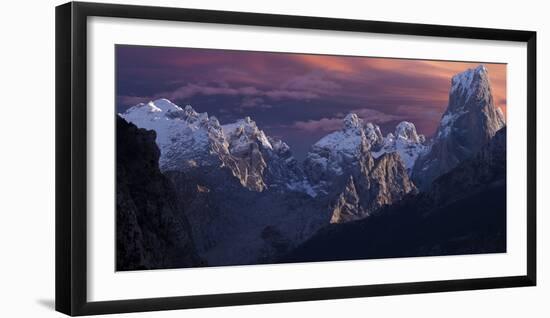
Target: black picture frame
71	157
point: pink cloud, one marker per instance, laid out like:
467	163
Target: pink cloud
312	82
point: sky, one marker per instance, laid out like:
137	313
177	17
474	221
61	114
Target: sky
296	97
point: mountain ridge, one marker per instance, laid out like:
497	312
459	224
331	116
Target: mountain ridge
250	200
465	210
470	121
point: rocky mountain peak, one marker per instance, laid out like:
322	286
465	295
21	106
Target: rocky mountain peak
470	121
155	234
374	135
190	111
407	130
352	122
374	184
406	142
336	152
245	131
470	82
347	206
164	105
191	140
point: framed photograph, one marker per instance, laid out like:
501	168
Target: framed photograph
209	158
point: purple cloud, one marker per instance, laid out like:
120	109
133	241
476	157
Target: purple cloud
250	102
312	82
323	124
133	100
375	116
335	123
190	90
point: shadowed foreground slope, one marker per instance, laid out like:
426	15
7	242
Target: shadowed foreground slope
152	231
464	212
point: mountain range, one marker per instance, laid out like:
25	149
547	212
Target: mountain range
247	200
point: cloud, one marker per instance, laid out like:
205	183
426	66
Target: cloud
375	116
250	102
288	94
335	123
327	62
315	82
132	100
190	90
323	124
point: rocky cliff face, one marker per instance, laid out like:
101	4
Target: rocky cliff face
485	168
376	183
188	139
152	231
347	207
345	167
243	192
462	212
233	225
333	156
250	201
262	161
470	121
406	142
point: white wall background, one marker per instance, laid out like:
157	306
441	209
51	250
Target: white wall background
27	158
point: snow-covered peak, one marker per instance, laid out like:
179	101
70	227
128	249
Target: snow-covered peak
188	139
152	107
406	130
350	139
352	122
470	81
466	78
244	131
189	112
335	152
469	122
347	141
406	142
165	105
177	126
373	134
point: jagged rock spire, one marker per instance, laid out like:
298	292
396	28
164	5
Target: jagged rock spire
470	121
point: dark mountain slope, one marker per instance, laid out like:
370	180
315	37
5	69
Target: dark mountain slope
470	121
475	224
151	229
463	213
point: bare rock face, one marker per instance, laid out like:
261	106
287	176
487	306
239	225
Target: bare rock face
406	142
347	206
152	231
463	212
334	155
391	181
376	183
470	121
189	140
487	167
262	162
358	171
234	225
